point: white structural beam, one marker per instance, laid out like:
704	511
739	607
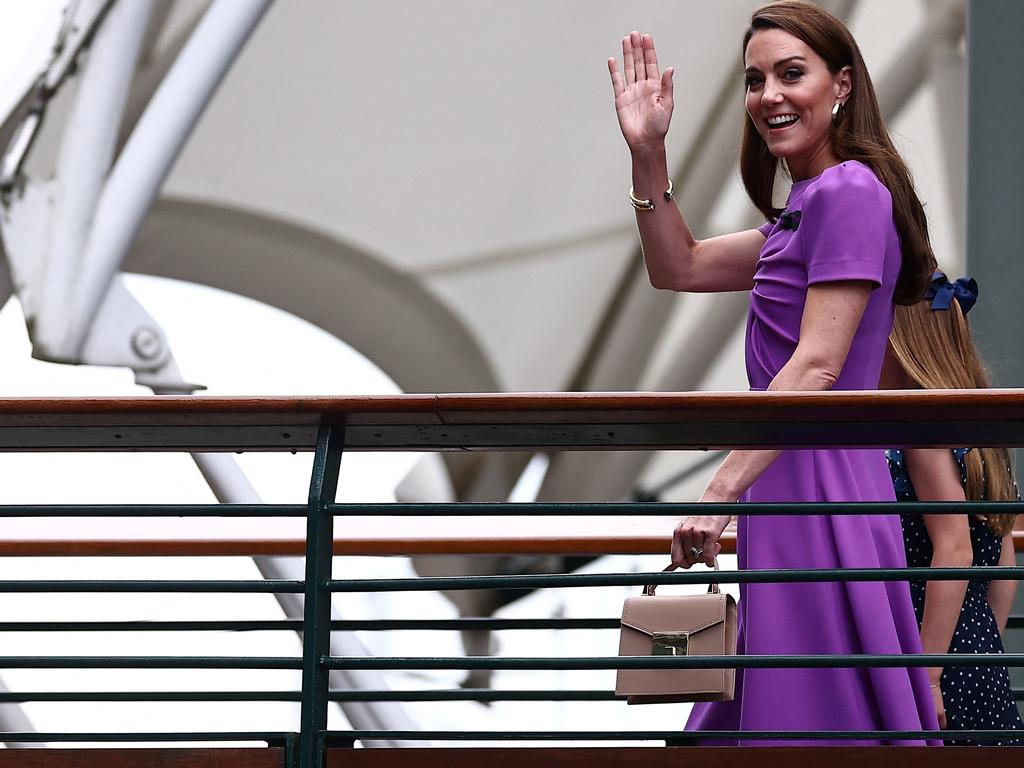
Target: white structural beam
83	162
901	81
6	287
230	485
947	68
12	717
154	145
14	720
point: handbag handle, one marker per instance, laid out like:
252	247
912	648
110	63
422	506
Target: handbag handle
712	587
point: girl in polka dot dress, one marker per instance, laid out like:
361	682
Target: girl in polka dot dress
931	348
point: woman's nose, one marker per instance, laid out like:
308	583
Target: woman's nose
770	94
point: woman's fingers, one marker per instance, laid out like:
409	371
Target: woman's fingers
940	706
639	62
627	60
637	44
650	57
666	85
709	542
618	84
679	550
684	538
695	535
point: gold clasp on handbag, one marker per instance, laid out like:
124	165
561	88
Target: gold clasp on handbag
669	643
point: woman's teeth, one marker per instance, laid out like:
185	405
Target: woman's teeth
781	121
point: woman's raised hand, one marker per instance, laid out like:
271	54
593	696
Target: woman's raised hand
643	97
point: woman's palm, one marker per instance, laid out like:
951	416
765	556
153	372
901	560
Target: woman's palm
643	96
643	112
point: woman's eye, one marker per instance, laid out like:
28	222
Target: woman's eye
793	74
753	81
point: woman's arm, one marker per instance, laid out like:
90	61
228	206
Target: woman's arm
675	259
832	313
1001	592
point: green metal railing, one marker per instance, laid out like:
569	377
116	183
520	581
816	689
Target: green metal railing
305	747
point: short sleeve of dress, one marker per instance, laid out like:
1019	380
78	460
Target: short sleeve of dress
845	224
766	228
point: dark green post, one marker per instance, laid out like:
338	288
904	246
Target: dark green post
995	203
316	614
995	194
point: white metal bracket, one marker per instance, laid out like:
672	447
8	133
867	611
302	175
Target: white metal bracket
81	19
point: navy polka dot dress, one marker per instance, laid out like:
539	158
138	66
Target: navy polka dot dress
974	697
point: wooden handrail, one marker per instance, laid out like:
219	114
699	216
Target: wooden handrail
165	757
537	421
652	544
613	421
672	757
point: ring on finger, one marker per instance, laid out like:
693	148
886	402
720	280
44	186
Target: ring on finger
696	551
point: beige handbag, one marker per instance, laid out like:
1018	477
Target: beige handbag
683	625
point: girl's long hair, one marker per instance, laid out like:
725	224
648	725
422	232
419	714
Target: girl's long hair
860	135
936	350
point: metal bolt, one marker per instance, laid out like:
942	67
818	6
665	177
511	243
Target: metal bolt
147	343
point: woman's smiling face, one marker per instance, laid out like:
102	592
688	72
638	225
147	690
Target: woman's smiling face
790	95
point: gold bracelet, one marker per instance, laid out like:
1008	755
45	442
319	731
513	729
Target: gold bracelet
648	205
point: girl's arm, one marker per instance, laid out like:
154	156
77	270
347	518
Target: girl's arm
936	477
830	319
1001	592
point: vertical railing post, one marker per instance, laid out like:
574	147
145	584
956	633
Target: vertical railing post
316	614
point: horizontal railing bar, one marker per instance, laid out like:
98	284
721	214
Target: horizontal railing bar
455	694
472	624
569	509
71	696
530	663
150	662
511	421
473	694
765	576
671	736
150	626
340	625
270	737
780	661
506	509
434	695
149	586
346	625
152	510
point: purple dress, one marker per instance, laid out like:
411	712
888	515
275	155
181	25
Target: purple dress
844	231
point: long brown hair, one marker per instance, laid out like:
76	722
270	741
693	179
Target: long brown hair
936	350
860	135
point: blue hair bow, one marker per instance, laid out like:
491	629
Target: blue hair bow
942	292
